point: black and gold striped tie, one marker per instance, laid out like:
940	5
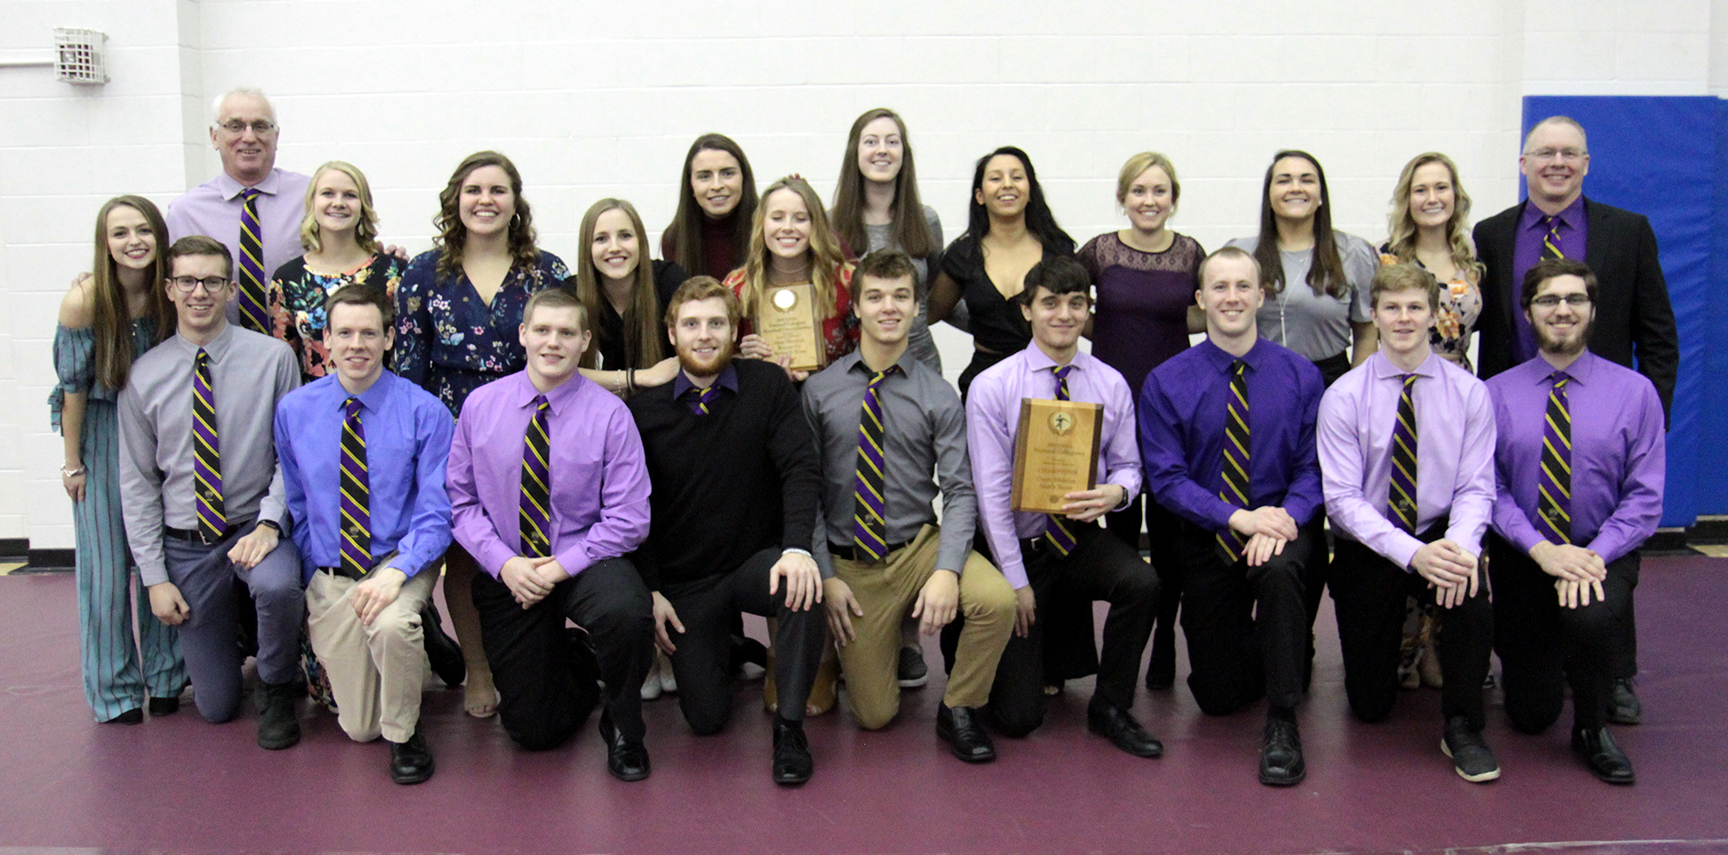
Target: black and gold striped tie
1235	469
356	495
536	505
206	451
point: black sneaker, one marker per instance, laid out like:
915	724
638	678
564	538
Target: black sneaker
912	671
1471	757
277	726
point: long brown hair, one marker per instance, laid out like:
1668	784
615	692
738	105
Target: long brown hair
826	259
1401	225
685	232
111	319
452	234
908	231
642	333
1326	271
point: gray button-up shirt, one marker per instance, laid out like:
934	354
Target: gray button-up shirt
249	373
923	431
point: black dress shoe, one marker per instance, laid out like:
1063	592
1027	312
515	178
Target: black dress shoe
960	728
131	716
160	707
1602	755
411	761
792	761
626	759
1115	724
1623	704
278	728
442	651
1281	755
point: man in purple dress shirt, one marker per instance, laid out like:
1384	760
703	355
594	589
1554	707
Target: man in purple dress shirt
1406	444
1579	464
363	456
1044	556
1634	324
1244	543
548	492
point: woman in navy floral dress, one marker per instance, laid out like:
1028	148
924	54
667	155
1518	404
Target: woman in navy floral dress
458	310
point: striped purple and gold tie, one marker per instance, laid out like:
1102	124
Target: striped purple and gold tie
356	495
869	519
1554	486
1551	238
1401	498
536	503
253	315
1059	531
206	451
1235	468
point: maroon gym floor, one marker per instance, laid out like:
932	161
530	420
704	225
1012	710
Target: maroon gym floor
181	785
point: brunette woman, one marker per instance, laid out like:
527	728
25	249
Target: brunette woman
710	232
109	318
625	299
459	309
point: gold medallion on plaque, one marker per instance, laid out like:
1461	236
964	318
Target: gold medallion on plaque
1055	452
788	321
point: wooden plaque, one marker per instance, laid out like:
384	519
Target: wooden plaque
1055	452
788	321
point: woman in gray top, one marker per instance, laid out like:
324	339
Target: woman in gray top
876	206
1316	279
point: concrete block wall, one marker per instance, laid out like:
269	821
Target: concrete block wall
593	105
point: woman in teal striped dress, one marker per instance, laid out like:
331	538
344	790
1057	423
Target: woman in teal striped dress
108	319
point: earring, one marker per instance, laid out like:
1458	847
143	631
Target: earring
515	221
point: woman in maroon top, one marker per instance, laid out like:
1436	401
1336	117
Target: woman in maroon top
710	232
1146	276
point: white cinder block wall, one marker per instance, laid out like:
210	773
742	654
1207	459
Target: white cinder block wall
595	100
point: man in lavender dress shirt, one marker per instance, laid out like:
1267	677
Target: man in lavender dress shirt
1563	579
363	456
1245	560
1090	564
1406	444
1634	324
564	559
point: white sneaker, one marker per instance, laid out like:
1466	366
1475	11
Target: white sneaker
651	683
668	683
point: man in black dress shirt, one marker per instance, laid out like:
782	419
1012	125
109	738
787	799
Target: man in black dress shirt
736	487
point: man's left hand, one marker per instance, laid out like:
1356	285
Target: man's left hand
803	580
251	549
377	591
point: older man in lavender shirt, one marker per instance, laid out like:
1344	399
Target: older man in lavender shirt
1406	444
1567	526
548	491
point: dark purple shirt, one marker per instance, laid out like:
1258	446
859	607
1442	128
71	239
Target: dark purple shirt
1143	299
1182	410
1527	250
681	386
1618	453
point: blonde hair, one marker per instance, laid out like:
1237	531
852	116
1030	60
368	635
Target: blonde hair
826	259
1401	224
365	231
1140	163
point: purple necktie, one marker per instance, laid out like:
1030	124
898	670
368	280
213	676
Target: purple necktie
536	504
1058	531
1401	499
1554	487
356	495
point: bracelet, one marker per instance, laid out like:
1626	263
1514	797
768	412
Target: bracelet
74	473
630	380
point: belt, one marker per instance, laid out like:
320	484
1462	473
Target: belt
192	535
851	552
338	571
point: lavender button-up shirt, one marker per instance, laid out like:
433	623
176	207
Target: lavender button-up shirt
993	417
1454	454
1527	250
599	477
213	208
1619	457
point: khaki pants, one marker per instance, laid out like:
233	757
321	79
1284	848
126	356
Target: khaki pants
376	672
886	591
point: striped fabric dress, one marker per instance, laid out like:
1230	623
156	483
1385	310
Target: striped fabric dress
113	679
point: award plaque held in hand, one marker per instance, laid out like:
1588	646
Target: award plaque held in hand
1055	452
787	321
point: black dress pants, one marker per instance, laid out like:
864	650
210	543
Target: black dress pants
1368	594
545	687
1543	646
702	664
1247	627
1100	567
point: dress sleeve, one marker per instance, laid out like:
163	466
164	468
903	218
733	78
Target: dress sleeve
74	367
414	332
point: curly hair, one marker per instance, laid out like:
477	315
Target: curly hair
452	235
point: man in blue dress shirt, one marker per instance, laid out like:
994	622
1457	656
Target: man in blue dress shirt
1227	434
363	455
1406	444
1568	526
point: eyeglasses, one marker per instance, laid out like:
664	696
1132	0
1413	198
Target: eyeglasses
186	284
1568	155
258	126
1549	301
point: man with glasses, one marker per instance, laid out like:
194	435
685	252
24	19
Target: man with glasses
1579	466
1633	317
203	495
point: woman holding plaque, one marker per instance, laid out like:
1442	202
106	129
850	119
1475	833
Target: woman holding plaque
710	232
876	206
791	244
459	312
1009	228
1316	279
625	298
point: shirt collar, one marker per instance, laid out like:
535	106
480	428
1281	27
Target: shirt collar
1384	369
1581	369
217	348
1221	360
524	393
1037	360
372	399
854	362
728	379
1572	215
231	188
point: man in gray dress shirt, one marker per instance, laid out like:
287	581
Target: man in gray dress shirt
203	494
884	421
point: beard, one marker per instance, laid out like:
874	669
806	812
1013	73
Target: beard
695	366
1549	344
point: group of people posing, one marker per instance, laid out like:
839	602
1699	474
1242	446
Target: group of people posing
288	428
